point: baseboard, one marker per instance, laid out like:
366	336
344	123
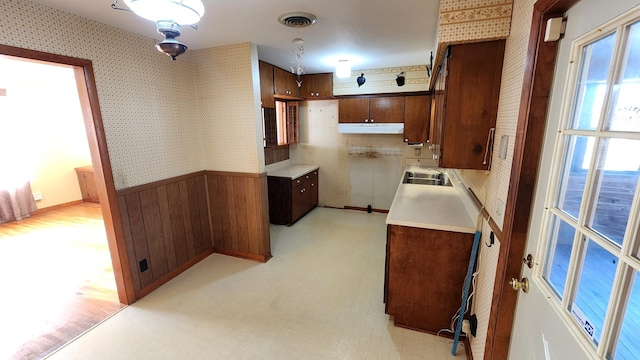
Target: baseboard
365	209
243	255
165	279
59	206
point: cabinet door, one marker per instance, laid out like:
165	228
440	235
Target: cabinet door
299	201
416	118
266	85
282	82
308	86
353	110
386	109
313	190
472	92
324	85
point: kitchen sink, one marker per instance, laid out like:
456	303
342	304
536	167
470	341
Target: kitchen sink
438	179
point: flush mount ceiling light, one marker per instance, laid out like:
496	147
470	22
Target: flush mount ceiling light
168	16
343	69
297	20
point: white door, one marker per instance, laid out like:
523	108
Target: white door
585	228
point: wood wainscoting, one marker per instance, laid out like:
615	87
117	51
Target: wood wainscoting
166	228
172	224
239	204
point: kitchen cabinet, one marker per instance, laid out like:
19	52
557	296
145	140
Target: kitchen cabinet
266	85
417	111
285	83
424	275
87	182
466	92
290	199
317	86
383	109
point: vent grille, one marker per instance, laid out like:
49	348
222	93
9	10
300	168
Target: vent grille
297	19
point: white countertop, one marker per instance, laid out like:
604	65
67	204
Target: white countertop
448	208
292	171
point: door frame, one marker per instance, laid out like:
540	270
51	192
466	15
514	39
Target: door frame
532	117
87	91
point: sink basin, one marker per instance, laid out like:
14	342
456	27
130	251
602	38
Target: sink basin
426	179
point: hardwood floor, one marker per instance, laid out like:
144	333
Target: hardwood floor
56	278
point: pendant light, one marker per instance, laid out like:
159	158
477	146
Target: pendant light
168	15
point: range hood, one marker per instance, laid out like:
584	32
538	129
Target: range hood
369	128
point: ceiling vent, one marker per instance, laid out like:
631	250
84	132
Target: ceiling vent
297	19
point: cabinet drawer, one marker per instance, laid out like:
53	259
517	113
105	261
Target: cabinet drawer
301	179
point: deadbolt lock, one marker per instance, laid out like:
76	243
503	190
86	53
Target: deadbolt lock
528	261
522	284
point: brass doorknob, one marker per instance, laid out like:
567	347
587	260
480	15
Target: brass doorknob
522	284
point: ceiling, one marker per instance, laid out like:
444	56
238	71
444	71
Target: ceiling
371	34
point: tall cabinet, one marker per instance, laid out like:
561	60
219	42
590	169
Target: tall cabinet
465	104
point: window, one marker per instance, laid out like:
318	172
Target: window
593	220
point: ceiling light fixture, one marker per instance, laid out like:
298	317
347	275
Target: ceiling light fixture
343	69
168	15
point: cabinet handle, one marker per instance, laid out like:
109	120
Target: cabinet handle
366	120
317	94
406	140
312	184
307	176
311	94
302	190
298	181
372	120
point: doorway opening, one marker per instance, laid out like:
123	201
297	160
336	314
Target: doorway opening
68	261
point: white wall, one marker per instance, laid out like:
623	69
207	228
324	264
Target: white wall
47	131
369	175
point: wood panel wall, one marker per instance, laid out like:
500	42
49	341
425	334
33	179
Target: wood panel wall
239	204
166	224
172	224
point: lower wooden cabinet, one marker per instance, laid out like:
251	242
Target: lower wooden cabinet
424	275
291	199
87	182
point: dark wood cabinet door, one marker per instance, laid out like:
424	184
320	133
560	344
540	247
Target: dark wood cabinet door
386	109
308	86
424	275
417	113
299	201
471	104
313	191
324	85
353	110
284	82
266	85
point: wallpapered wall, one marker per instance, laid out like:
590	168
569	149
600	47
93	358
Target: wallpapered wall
381	81
228	91
494	185
150	106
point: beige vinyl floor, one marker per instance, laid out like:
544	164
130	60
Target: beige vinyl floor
319	297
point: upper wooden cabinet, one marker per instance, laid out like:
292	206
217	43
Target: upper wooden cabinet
284	82
388	109
417	111
317	86
266	85
466	94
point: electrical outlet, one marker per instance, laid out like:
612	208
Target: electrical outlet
37	196
466	326
143	265
417	151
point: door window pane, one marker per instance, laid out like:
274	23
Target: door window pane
562	235
624	111
576	163
618	171
628	346
594	289
592	83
